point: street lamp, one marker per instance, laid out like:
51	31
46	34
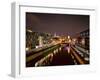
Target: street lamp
68	37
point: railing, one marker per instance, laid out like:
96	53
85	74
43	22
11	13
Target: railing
43	52
44	57
77	56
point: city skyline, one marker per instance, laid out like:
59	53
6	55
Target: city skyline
61	24
57	39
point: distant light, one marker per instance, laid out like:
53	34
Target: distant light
36	46
68	37
27	49
69	40
29	30
83	41
74	39
86	58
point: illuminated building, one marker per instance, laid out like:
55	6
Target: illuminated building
83	39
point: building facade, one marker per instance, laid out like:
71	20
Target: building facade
83	39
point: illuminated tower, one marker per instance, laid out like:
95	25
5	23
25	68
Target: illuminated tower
40	41
55	34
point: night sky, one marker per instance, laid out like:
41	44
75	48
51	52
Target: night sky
61	24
